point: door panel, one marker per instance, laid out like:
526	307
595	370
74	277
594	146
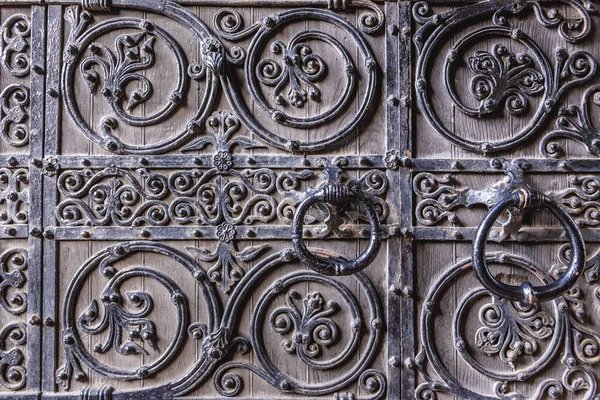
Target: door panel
278	199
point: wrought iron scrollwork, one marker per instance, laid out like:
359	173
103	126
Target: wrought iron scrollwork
14	129
314	327
440	198
527	293
14	45
127	328
513	332
133	54
13	374
575	123
500	76
297	73
13	263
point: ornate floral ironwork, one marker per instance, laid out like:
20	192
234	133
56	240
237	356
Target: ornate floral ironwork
311	328
503	77
440	198
15	31
301	70
13	125
511	329
14	196
13	263
227	270
13	374
500	77
217	333
575	123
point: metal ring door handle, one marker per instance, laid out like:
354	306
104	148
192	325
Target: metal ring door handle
336	193
526	292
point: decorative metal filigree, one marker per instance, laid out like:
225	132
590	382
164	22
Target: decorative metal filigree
222	126
13	338
201	197
14	44
500	76
581	200
306	323
14	196
510	331
301	70
575	123
14	117
134	55
13	263
227	270
217	333
441	198
120	321
311	328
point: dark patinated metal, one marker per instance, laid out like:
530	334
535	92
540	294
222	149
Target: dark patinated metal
522	199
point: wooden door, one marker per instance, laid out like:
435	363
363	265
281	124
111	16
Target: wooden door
289	199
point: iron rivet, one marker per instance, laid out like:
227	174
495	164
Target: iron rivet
457	235
85	234
49	234
146	233
564	165
35	232
250	160
394	362
35	320
37	162
53	93
393	100
409	363
393	29
143	161
364	161
12	161
48	321
86	162
405	101
197	161
251	233
11	231
38	69
405	30
407	291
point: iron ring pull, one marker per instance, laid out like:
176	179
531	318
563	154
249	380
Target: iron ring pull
336	194
526	292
